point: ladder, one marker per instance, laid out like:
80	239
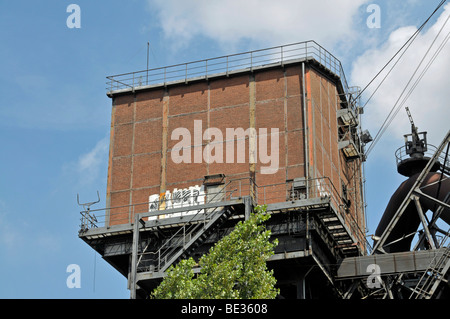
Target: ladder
434	275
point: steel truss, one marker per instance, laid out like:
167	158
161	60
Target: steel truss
423	285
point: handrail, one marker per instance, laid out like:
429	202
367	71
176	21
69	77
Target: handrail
229	63
266	194
401	155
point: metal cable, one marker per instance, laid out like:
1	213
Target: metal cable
406	43
395	109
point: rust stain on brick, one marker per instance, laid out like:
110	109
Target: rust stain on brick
132	155
111	146
165	125
252	139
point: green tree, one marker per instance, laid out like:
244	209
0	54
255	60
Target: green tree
234	268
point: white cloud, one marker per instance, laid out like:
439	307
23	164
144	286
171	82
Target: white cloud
89	164
340	27
429	101
89	167
267	22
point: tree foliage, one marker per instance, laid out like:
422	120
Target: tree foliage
234	268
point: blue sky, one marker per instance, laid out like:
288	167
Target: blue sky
55	115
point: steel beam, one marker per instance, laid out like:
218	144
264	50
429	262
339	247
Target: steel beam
423	220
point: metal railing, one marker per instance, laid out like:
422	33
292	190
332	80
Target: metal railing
401	155
187	231
237	188
317	188
229	64
124	214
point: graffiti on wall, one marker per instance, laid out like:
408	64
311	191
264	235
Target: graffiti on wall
193	195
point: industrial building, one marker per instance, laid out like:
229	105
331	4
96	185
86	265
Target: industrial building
194	147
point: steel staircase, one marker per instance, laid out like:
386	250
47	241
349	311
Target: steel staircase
190	236
434	275
344	242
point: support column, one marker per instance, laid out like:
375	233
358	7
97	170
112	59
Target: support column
134	253
301	289
248	207
301	285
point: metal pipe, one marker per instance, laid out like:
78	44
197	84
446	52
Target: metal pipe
410	220
305	131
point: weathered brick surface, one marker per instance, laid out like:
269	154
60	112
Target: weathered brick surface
181	172
119	215
188	98
269	85
146	170
148	136
123	137
121	173
123	109
230	117
139	169
296	152
149	105
270	114
229	91
184	121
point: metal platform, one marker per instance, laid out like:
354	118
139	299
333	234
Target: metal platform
313	233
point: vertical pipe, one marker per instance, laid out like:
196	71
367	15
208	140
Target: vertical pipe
248	208
305	131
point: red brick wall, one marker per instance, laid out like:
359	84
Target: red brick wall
268	98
